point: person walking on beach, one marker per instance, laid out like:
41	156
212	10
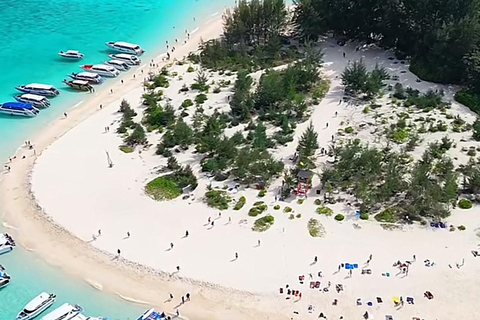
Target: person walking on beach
178	268
171	245
209	220
219	215
99	232
229	219
258	242
213	223
118	252
315	259
236	255
183	300
65	114
171	296
188	296
128	234
186	233
177	313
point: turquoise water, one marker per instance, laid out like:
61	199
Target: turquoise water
31	34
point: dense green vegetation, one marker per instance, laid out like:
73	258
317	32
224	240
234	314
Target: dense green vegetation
170	186
217	199
428	188
263	224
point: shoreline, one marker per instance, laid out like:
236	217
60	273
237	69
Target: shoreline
38	233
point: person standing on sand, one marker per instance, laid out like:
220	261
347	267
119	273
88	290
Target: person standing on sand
236	255
171	245
213	223
171	296
315	259
65	114
258	242
177	313
128	234
118	252
183	300
229	219
209	220
178	268
186	233
188	296
99	232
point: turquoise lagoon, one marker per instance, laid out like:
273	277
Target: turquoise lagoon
31	34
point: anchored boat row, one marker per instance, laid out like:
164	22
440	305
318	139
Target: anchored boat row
35	94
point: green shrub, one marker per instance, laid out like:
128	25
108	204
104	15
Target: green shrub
300	201
465	204
462	227
190	69
240	203
187	103
366	110
216	90
263	224
201	98
218	199
319	91
262	193
469	99
324	210
126	149
258	208
318	202
276	207
253	212
291	217
339	217
163	188
298	216
387	215
364	216
287	209
313	226
349	130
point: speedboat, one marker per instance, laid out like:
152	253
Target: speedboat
101	69
7	243
119	65
40	89
33	99
87	76
130	59
65	312
125	47
71	54
36	306
17	109
151	314
4	277
78	85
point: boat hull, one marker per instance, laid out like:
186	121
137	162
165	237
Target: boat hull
6	248
39	92
92	81
37	312
102	73
36	104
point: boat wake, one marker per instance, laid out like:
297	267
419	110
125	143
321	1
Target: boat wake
8	226
131	299
94	284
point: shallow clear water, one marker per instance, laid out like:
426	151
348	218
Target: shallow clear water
31	34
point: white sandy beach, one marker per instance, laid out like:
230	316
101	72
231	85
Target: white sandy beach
79	195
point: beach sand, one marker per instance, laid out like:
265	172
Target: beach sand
72	193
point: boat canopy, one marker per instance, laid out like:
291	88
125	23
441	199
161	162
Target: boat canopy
72	52
88	74
37	301
127	45
125	56
15	106
34	97
80	82
64	309
39	86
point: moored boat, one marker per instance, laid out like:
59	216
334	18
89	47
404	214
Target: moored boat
78	85
117	64
125	47
65	312
4	277
151	314
101	69
130	59
33	99
16	109
71	54
36	306
87	76
40	89
7	243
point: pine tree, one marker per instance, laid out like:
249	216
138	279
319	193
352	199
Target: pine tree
307	145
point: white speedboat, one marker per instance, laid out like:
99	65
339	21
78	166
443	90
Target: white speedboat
40	89
101	69
130	59
4	277
33	99
125	47
117	64
7	243
36	306
81	85
65	312
151	314
87	76
16	109
71	54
